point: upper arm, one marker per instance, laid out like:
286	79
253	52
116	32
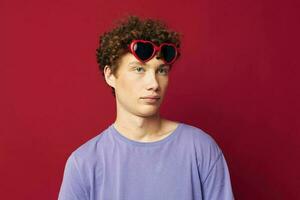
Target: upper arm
213	169
217	185
72	187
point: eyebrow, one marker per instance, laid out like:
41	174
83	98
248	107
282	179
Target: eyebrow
140	63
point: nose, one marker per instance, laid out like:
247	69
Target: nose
152	83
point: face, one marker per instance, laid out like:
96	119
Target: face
135	81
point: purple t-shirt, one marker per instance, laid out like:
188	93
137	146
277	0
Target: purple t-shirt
186	165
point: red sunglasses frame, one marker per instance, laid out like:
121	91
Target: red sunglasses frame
156	49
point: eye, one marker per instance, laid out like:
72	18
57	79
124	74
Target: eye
163	70
138	69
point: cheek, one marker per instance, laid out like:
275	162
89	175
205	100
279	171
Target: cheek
128	86
164	83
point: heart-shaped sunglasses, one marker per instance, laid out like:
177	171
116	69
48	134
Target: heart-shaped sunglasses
145	50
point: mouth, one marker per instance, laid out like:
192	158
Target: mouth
151	100
150	97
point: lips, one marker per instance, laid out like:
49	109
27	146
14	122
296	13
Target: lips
151	97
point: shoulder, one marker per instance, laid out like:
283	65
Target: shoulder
190	131
205	146
80	166
199	136
88	151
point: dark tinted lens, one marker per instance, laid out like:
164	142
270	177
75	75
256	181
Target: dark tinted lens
143	50
168	52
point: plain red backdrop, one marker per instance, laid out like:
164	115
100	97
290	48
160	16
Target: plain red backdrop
237	79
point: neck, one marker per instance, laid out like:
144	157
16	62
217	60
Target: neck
139	127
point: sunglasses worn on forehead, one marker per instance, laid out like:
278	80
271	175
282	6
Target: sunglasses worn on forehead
145	50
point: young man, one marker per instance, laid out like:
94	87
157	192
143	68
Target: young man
142	156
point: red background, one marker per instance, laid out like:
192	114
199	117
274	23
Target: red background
237	79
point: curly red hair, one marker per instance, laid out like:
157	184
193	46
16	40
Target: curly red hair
114	44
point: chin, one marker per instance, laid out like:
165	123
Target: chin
148	112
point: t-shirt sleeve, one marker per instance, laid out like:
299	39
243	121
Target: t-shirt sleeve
72	187
217	184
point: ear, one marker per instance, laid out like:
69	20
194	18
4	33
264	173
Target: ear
109	77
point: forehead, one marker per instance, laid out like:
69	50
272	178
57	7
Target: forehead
129	59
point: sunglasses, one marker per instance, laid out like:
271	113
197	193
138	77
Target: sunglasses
145	50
